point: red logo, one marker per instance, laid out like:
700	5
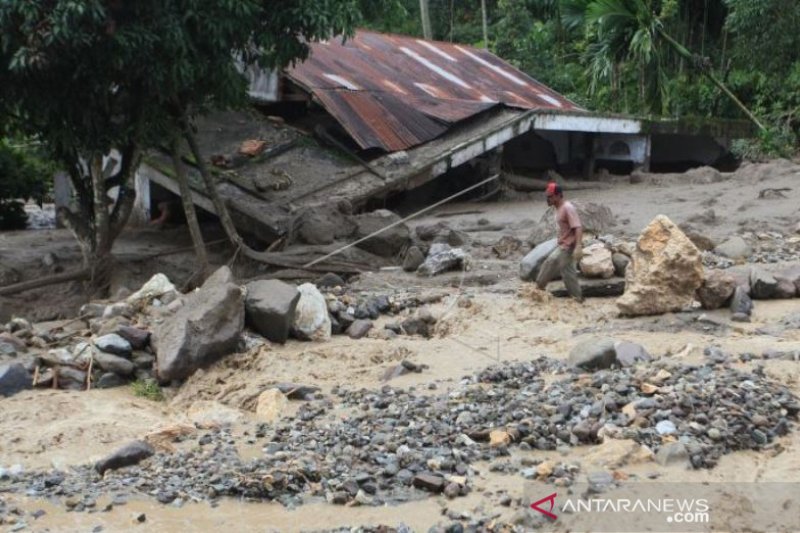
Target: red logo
548	513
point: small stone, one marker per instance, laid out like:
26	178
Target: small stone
114	344
672	453
139	518
714	434
429	482
760	437
413	259
452	490
666	427
109	380
359	329
271	405
139	339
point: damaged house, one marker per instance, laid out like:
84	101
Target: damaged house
380	118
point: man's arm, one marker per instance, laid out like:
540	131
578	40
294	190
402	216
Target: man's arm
578	242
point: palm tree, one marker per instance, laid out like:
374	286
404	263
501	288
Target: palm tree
632	29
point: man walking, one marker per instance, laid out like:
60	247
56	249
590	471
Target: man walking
570	242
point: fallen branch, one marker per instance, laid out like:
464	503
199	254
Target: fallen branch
79	275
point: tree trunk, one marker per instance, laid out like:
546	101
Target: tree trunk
707	72
485	18
425	13
191	214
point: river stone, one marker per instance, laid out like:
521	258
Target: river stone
201	332
114	344
271	405
129	455
13	379
413	259
620	262
630	353
716	290
763	285
138	338
741	304
532	262
114	363
387	243
673	453
665	271
597	262
734	248
359	329
109	380
785	288
270	308
593	354
156	286
311	319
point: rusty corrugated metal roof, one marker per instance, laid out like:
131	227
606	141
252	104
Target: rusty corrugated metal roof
395	92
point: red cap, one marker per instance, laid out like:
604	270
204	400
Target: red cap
552	189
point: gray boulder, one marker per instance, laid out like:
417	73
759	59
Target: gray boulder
601	353
270	307
594	354
109	380
204	330
114	363
359	329
441	258
763	285
734	248
129	455
621	262
413	259
13	379
741	304
716	290
138	338
387	243
785	288
531	263
630	353
114	344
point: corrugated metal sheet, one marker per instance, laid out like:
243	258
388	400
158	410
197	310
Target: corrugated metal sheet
394	92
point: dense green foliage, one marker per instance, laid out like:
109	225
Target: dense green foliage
615	55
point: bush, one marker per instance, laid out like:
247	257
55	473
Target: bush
147	388
25	173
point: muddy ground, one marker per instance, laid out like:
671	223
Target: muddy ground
44	429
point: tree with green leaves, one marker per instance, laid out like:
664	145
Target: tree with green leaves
635	30
97	76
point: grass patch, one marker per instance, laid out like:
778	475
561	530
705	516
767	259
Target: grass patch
147	388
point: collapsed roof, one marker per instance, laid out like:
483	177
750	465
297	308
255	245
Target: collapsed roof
393	92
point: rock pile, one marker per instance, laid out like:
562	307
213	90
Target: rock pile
397	444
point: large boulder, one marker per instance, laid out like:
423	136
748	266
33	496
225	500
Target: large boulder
386	243
311	319
734	248
441	258
601	353
596	262
13	379
269	308
202	331
531	263
665	271
763	284
716	290
793	274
